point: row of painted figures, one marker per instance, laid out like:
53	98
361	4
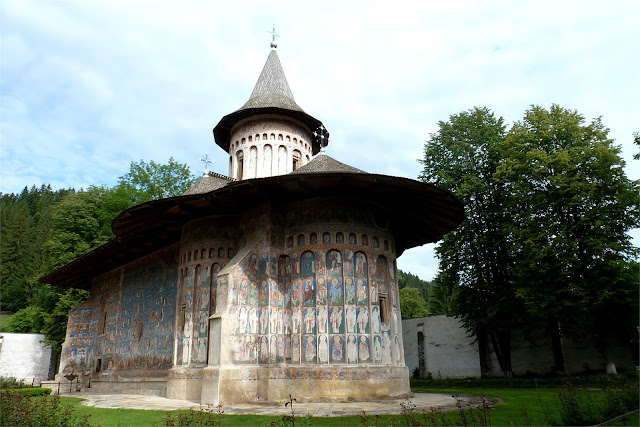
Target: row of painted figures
312	320
308	264
354	349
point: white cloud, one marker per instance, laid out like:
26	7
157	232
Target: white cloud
88	87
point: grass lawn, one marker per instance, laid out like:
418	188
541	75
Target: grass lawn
541	405
508	413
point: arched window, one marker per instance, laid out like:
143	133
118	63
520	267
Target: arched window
212	253
297	159
240	165
300	239
326	238
339	237
313	239
203	254
365	240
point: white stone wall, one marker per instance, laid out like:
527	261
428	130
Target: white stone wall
267	148
448	352
24	357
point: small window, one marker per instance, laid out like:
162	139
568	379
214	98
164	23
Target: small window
300	239
384	308
240	170
264	137
326	238
279	137
230	252
313	239
212	253
189	256
221	253
140	329
339	237
102	325
182	317
195	255
250	138
353	239
203	254
290	241
365	240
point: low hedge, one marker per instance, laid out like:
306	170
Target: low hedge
29	391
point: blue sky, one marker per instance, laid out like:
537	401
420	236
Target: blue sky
87	87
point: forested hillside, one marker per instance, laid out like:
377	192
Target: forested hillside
42	229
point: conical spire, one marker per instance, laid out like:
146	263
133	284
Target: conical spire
272	89
271	95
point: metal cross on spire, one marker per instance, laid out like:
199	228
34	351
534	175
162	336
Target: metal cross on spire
322	134
206	162
274	44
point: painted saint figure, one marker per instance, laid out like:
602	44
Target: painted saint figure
336	320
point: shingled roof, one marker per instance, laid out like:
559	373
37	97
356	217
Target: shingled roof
272	89
210	182
271	96
325	164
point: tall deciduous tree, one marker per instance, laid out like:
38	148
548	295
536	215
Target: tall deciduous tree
462	157
151	181
412	304
571	208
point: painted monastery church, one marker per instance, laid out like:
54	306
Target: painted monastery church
278	279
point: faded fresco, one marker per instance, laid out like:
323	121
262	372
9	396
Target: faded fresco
327	305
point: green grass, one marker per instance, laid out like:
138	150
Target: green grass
509	412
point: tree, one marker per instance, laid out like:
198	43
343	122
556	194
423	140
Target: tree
571	208
151	181
409	280
462	157
444	297
80	224
412	304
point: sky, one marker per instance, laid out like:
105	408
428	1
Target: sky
87	87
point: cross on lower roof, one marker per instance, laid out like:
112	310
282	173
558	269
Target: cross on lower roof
206	162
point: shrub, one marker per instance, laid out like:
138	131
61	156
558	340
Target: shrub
21	410
30	391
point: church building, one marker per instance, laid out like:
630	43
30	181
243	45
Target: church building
279	279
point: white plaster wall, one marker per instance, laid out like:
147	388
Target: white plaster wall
24	357
449	353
